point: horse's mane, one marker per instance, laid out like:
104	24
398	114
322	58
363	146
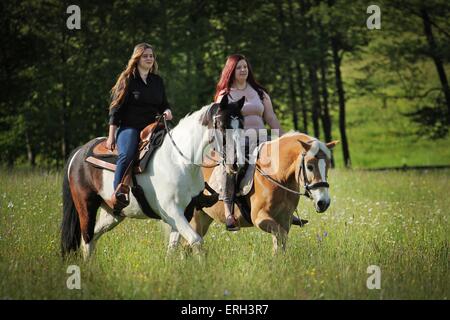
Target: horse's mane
196	115
317	145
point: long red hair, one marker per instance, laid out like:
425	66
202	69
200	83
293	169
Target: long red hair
121	86
227	77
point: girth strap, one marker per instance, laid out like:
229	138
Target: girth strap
138	193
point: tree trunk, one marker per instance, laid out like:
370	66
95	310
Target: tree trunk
63	115
436	56
196	16
341	96
301	87
325	115
31	155
315	99
293	99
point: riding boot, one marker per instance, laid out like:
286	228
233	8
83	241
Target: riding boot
120	198
298	222
230	221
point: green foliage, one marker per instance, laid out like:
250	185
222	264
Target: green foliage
55	82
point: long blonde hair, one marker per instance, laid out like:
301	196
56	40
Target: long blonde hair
120	88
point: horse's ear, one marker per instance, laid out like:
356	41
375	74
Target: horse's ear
224	101
332	144
306	145
241	102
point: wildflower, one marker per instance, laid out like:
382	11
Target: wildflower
10	205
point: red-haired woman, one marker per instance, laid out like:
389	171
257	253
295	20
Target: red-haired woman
137	98
237	81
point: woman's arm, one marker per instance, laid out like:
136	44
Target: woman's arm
111	141
269	115
116	113
165	104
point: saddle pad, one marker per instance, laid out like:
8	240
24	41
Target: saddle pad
245	184
108	161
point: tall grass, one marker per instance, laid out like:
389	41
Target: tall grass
396	220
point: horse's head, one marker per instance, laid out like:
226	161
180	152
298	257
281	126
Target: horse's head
226	122
315	160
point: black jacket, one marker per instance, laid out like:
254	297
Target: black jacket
141	104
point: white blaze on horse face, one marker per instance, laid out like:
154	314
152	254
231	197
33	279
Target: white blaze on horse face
322	169
234	123
237	132
321	194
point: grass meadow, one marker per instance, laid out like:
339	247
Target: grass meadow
395	220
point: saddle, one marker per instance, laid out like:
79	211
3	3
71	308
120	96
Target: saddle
244	183
244	179
151	138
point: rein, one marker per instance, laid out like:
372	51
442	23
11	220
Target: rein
268	177
308	187
178	149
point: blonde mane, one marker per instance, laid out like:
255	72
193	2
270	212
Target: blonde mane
316	146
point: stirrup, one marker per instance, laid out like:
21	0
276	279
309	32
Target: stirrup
120	198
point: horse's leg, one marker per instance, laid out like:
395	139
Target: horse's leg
87	204
176	219
279	235
174	239
200	222
106	222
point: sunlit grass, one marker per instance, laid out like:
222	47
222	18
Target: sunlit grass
396	220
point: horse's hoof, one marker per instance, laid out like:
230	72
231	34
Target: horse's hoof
171	252
231	224
196	248
299	222
198	252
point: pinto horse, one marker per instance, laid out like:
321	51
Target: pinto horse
301	162
171	179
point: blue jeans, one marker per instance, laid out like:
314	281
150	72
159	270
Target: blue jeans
127	143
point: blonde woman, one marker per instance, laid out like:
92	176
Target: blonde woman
137	98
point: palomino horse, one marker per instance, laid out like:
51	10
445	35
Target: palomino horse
172	178
301	162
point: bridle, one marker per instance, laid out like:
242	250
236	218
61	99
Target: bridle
306	185
213	138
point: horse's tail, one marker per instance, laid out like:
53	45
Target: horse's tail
70	226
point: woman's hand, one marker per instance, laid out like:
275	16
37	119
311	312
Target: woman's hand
168	114
110	143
